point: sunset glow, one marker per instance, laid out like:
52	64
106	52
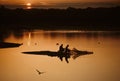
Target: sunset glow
59	3
28	4
51	1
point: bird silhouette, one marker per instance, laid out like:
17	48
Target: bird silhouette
39	72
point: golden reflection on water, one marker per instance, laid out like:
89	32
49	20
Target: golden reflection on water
103	65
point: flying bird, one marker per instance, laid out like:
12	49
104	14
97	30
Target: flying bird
39	72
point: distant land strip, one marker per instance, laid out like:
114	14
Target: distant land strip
70	18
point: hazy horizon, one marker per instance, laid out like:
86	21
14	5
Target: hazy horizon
64	5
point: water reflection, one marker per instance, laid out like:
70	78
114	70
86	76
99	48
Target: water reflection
19	34
103	65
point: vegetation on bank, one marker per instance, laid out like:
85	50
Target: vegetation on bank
70	18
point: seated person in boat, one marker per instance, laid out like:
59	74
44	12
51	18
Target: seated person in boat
67	50
61	49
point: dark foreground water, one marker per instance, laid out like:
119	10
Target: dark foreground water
103	65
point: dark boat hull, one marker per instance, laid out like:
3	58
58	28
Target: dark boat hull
9	45
53	53
49	53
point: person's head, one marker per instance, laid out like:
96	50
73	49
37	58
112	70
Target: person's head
67	45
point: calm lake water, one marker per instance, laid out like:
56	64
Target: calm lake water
102	65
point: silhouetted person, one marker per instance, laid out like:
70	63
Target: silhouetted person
67	50
61	49
64	53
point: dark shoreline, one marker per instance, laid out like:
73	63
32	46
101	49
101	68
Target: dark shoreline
97	19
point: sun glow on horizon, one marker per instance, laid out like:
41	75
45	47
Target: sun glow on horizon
28	4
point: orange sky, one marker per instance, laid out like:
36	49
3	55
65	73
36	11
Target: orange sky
58	3
50	1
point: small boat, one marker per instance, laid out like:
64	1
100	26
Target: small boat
9	45
57	53
74	53
49	53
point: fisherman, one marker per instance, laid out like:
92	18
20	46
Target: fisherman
67	50
64	52
61	49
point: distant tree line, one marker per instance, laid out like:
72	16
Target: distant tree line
70	18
